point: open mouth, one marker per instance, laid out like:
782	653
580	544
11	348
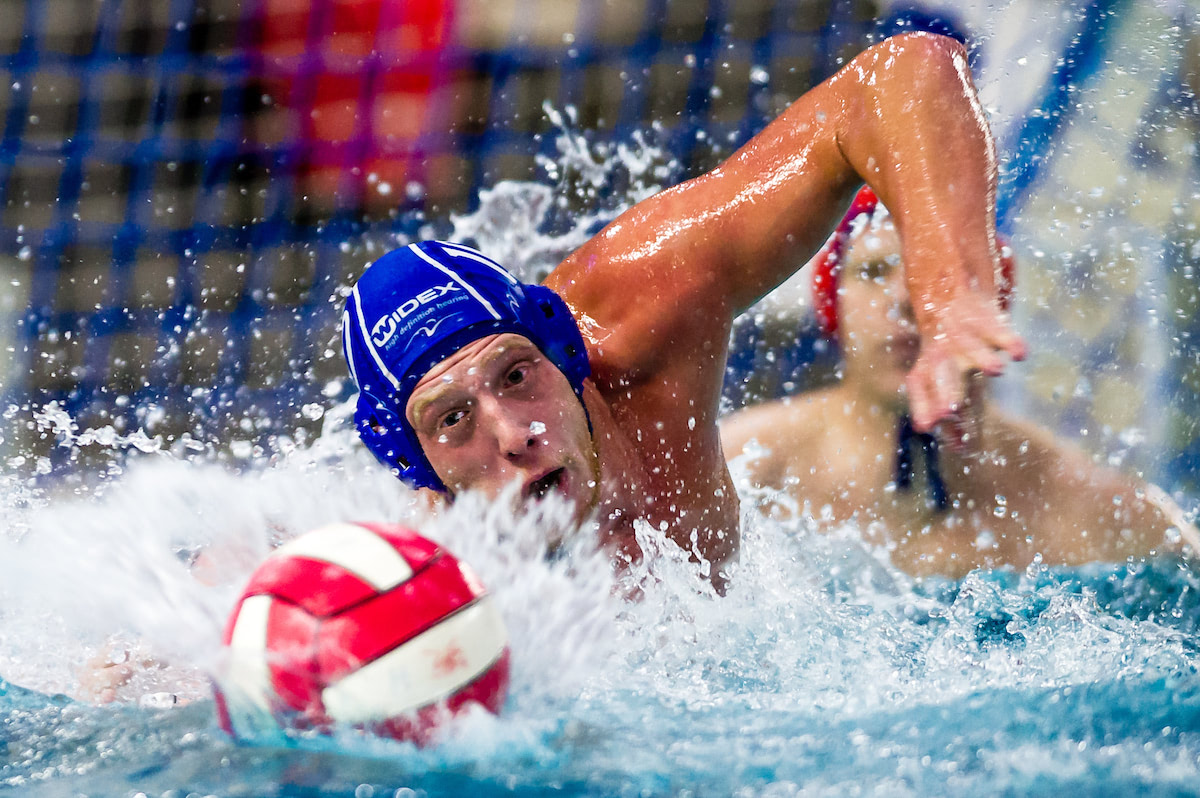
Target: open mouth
539	488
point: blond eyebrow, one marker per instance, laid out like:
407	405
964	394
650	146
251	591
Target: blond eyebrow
435	394
423	403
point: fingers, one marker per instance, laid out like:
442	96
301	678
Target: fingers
935	390
1006	340
971	337
996	335
942	384
979	359
981	340
102	684
960	431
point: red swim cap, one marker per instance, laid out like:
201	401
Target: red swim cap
827	262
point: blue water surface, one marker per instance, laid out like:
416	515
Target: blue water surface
1069	681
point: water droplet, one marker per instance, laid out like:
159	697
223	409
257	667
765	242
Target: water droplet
537	428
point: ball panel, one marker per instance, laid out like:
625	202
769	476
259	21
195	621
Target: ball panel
427	669
488	691
291	656
247	641
244	704
365	632
354	547
414	548
320	587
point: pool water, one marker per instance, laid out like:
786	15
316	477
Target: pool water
824	671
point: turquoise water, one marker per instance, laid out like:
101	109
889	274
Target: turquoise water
823	672
741	720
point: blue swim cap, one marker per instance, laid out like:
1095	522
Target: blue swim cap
416	306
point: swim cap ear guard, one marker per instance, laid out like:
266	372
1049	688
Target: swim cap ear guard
416	306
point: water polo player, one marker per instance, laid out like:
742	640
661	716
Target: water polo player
471	381
998	494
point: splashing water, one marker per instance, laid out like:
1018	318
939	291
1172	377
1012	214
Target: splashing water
824	671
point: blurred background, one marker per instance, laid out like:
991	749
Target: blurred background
188	186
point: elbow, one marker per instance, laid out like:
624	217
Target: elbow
921	46
916	59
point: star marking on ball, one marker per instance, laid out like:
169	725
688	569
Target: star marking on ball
449	660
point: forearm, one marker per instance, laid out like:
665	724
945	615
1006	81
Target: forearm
913	128
903	117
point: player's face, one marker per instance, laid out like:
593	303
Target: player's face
876	328
497	412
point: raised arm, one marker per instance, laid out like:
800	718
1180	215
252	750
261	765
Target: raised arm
903	116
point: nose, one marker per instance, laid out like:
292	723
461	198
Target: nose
898	292
513	435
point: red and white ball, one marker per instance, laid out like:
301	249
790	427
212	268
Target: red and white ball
363	625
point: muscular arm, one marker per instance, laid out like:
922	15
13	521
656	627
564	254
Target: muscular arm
902	116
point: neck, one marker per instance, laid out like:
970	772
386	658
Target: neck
875	418
916	460
619	475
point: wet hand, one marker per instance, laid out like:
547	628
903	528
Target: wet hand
961	432
103	677
968	336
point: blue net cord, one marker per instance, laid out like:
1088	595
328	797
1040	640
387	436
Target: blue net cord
164	236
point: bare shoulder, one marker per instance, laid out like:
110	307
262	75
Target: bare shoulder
1124	514
643	292
782	421
784	443
1059	463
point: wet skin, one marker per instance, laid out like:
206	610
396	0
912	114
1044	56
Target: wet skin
656	292
497	412
1015	490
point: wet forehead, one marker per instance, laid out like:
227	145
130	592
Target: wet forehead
477	355
875	241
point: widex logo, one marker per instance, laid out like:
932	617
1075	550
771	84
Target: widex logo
385	328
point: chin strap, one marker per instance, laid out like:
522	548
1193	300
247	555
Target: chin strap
904	463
